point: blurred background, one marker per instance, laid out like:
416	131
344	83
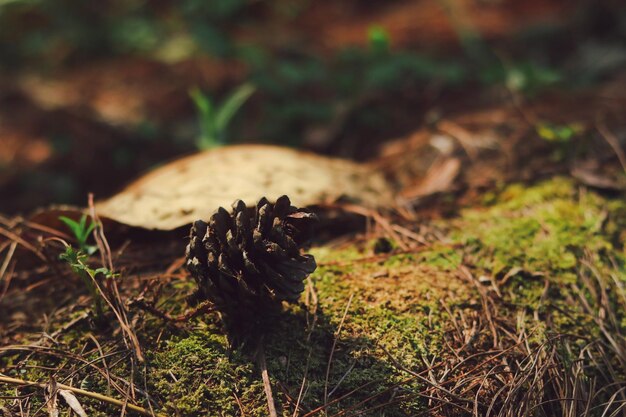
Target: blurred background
93	94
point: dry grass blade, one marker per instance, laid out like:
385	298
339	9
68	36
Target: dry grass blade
112	295
16	238
7	260
613	142
379	219
324	407
332	350
74	357
4	287
267	385
429	382
52	404
85	393
202	308
73	402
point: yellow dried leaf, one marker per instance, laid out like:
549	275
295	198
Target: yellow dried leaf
194	187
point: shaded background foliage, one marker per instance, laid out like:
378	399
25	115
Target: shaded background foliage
112	79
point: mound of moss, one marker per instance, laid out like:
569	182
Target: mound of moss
381	316
368	323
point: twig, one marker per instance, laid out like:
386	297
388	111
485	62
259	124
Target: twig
104	362
70	324
342	397
121	318
433	384
332	351
243	413
613	142
378	219
101	240
94	395
4	267
345	375
14	237
112	295
266	380
204	307
7	259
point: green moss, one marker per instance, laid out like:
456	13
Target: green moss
394	308
441	257
542	229
195	376
519	196
397	304
543	232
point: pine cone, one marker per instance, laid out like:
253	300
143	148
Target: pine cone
248	261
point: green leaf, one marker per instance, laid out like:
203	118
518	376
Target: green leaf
202	102
103	271
89	230
231	106
378	39
70	255
214	121
81	232
206	117
91	249
73	225
85	230
558	133
77	259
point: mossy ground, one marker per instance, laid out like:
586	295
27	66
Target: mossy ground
380	318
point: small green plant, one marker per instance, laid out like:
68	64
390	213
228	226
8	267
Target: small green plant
214	119
378	39
558	133
81	231
530	77
77	260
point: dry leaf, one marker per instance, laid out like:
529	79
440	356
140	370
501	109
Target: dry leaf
193	187
73	402
439	179
51	399
593	178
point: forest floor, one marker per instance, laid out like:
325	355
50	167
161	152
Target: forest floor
512	306
499	290
491	283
